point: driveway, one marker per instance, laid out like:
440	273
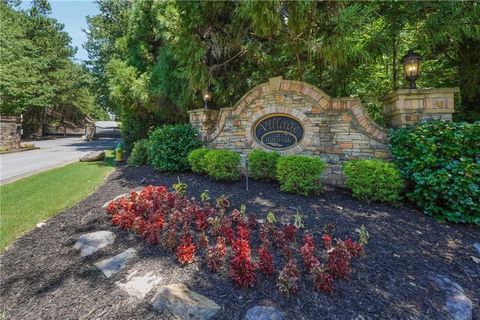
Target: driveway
52	153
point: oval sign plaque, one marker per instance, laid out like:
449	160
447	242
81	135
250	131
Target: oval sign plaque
278	131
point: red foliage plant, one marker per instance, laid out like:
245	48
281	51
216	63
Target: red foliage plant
265	261
264	234
339	261
201	219
323	281
215	256
186	250
327	241
152	228
242	268
355	248
236	215
308	253
243	232
290	231
288	278
279	238
226	230
154	210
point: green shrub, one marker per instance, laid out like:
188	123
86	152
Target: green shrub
262	165
139	154
376	180
196	159
441	163
169	146
300	174
223	165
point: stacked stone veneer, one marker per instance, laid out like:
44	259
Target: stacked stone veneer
336	130
10	132
404	107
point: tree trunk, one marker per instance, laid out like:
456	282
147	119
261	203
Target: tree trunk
394	61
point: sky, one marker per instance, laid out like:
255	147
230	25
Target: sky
72	14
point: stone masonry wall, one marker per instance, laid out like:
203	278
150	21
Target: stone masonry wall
335	129
10	132
405	107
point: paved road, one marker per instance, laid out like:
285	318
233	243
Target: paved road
52	153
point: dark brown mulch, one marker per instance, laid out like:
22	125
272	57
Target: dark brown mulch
42	277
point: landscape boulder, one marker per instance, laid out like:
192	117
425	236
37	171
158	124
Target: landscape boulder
264	313
457	304
187	304
116	263
93	156
139	285
92	242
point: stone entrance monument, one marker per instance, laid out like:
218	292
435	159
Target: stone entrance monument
293	117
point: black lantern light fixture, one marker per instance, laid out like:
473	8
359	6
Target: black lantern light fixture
207	97
411	67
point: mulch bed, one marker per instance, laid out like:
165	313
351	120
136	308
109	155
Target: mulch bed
43	277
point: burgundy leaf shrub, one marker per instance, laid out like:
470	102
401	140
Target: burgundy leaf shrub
265	261
216	255
186	250
288	278
290	231
242	268
327	241
308	253
339	261
182	225
323	281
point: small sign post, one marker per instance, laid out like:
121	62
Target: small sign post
246	173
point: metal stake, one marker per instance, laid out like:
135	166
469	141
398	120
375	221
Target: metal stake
246	173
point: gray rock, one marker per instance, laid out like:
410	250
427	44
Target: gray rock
139	286
476	245
264	313
93	156
116	263
186	304
92	242
458	304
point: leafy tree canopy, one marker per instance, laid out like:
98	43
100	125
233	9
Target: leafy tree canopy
38	77
155	57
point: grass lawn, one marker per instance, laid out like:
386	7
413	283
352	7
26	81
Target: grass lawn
26	202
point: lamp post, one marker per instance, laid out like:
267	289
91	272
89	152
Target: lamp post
207	97
411	67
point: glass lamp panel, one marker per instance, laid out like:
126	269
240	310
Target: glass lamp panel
411	68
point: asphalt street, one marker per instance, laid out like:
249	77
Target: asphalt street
52	153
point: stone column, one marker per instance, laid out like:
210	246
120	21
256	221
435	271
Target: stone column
411	106
203	120
10	132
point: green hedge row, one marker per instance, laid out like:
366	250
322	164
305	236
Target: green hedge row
296	174
370	180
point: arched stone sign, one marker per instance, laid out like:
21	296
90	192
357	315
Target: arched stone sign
303	120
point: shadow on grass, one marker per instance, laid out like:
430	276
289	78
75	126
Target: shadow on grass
109	160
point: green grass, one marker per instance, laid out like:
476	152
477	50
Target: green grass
26	202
